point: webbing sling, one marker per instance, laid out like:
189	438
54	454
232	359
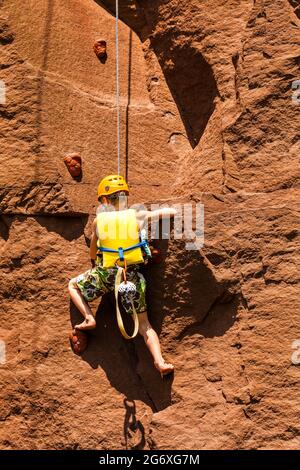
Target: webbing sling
134	315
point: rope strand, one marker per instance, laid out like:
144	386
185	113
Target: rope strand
118	89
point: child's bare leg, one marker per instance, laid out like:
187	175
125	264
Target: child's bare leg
89	321
153	344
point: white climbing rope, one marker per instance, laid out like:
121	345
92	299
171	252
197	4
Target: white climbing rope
118	89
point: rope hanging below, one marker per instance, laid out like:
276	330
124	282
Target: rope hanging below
118	89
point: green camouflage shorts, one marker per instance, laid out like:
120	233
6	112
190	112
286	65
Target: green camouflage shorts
99	281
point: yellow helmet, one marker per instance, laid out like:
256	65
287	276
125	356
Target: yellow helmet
111	184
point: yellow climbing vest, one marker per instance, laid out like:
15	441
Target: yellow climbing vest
118	238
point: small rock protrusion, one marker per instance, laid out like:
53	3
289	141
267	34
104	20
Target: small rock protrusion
74	164
100	49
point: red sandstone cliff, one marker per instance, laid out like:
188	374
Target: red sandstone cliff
207	115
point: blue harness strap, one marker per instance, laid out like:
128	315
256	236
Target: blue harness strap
121	253
121	250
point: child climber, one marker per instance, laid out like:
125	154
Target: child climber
117	250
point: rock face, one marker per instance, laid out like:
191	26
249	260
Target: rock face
210	114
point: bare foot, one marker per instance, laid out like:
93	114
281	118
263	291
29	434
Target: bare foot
88	324
164	368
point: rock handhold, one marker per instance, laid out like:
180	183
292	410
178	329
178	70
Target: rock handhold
78	341
156	256
100	49
73	163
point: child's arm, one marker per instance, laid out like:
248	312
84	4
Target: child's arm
144	216
161	213
156	215
93	245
